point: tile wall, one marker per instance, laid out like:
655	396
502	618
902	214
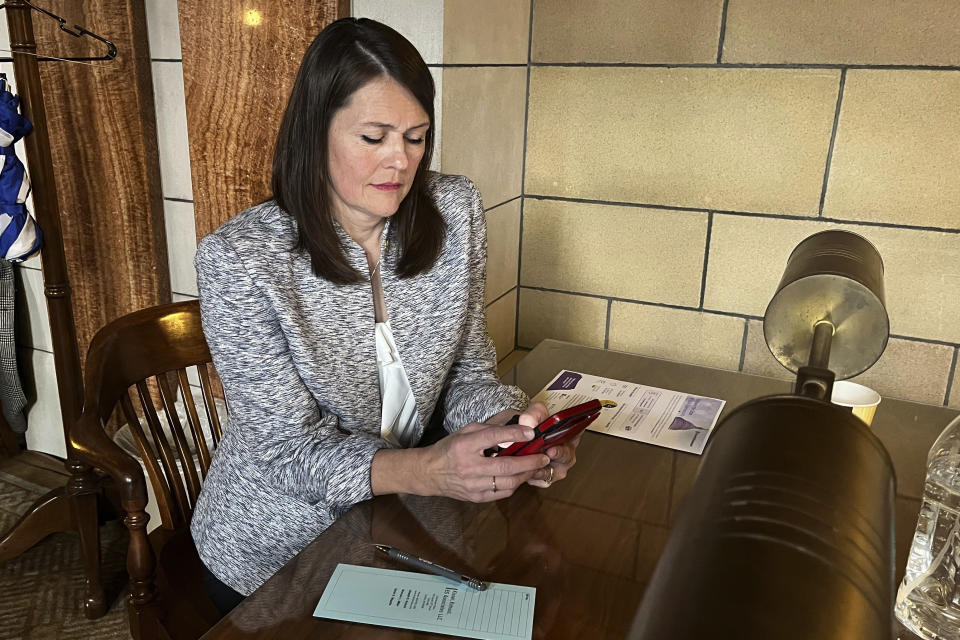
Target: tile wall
694	144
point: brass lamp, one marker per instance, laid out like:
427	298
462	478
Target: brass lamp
787	532
829	307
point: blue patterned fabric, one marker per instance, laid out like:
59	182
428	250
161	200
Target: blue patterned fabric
20	237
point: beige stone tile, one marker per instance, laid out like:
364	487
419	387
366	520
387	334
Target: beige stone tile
483	115
747	257
955	388
921	270
488	32
911	370
503	248
635	253
896	157
908	369
502	323
848	32
181	246
512	360
561	316
626	31
922	280
419	21
729	139
677	334
173	146
163	29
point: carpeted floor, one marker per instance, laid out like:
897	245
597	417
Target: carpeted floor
41	591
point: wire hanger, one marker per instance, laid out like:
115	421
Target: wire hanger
77	32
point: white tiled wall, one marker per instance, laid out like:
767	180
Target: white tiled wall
172	129
181	246
163	32
163	29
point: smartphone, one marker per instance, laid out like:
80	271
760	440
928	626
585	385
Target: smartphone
556	429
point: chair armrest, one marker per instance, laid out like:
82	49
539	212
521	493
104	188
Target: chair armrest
92	446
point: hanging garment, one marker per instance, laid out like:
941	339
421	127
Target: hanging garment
20	237
11	393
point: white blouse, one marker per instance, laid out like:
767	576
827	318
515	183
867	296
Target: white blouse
398	421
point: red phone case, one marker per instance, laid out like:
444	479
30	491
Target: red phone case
557	429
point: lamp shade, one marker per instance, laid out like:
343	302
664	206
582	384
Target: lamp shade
787	532
836	276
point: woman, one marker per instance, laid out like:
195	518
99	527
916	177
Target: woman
346	314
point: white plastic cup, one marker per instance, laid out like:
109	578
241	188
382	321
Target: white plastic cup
860	400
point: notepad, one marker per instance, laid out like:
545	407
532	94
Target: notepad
407	600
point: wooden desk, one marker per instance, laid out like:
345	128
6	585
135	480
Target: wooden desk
588	544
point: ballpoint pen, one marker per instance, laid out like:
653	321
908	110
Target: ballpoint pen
430	567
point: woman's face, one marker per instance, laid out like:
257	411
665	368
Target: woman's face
375	145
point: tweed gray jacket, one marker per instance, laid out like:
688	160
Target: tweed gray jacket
297	357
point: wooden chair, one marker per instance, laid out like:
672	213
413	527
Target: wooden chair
146	355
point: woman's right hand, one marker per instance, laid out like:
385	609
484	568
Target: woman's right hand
456	466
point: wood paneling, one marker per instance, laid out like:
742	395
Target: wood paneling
239	62
104	149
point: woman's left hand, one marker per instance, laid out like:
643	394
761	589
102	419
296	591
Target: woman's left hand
562	456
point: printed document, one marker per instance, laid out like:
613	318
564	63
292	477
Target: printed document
407	600
657	416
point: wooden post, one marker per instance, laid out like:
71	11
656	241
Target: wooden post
74	507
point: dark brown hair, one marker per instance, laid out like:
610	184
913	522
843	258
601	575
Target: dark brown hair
346	55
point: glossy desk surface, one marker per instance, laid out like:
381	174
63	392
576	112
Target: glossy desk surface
588	544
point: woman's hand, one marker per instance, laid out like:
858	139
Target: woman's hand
534	415
457	467
562	456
